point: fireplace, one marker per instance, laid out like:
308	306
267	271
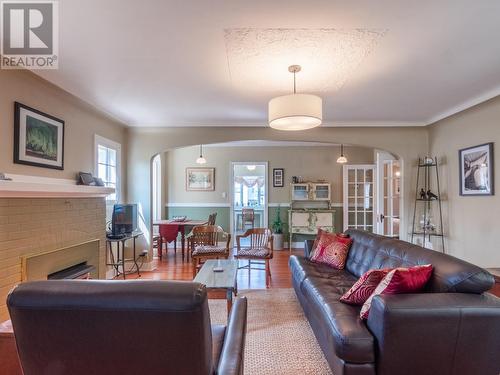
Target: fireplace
78	271
76	261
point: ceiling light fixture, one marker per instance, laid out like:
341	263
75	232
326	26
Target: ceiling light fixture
342	159
201	159
295	111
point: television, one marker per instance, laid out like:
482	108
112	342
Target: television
124	219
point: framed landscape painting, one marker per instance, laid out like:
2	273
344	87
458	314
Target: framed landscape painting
476	170
200	179
38	138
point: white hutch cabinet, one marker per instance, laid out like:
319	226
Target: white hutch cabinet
310	209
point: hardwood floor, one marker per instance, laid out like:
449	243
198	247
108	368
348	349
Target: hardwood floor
171	267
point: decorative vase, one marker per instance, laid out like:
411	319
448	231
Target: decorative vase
278	241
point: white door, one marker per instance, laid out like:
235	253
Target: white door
359	191
249	190
388	209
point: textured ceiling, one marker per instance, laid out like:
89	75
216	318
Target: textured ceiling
219	62
328	57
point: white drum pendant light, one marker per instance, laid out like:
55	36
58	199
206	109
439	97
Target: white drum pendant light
295	111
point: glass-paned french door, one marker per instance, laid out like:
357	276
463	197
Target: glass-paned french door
388	218
359	183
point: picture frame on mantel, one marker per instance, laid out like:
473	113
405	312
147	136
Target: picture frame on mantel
38	138
476	170
200	179
278	177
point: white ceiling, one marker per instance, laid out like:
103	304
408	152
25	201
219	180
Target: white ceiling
218	62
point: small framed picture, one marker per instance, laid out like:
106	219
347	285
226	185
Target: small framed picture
278	177
38	138
200	179
476	170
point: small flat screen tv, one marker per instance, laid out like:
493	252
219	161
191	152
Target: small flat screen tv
124	219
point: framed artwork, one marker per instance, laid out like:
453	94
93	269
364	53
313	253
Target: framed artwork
200	179
38	138
476	170
278	177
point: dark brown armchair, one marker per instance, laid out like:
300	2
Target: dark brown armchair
123	327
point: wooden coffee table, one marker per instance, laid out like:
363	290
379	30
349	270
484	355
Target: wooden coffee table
225	280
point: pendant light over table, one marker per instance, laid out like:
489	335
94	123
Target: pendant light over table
201	159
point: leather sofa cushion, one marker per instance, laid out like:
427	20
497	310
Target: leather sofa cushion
322	290
371	251
302	267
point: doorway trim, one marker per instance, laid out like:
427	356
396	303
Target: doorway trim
232	164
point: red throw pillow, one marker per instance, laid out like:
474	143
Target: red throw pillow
399	280
332	250
316	241
364	287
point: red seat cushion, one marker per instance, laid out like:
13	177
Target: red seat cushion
332	249
364	287
399	280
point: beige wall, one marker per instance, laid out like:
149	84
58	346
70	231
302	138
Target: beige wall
407	143
471	223
81	123
312	163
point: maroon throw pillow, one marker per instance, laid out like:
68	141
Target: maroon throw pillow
364	287
315	243
399	280
332	250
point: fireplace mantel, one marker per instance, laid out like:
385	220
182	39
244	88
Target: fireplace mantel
23	186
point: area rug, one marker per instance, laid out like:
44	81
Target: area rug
279	338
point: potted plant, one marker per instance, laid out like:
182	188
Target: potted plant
277	228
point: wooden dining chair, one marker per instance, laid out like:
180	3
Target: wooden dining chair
211	218
205	244
247	217
211	221
258	248
167	234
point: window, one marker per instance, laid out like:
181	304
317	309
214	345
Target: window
156	169
108	155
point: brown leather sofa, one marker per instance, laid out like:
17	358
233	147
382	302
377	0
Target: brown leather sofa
123	327
452	327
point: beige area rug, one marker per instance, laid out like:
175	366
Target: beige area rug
279	338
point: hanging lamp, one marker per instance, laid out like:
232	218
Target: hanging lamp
295	111
201	159
342	159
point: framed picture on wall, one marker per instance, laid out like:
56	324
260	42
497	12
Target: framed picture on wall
200	179
38	138
278	177
476	170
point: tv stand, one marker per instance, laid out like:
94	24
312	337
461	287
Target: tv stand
120	254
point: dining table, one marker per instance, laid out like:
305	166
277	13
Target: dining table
182	225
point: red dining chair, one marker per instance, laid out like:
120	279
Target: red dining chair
168	233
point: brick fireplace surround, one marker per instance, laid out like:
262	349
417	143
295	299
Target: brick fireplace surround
31	226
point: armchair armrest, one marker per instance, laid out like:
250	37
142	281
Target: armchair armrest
308	244
231	360
436	333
